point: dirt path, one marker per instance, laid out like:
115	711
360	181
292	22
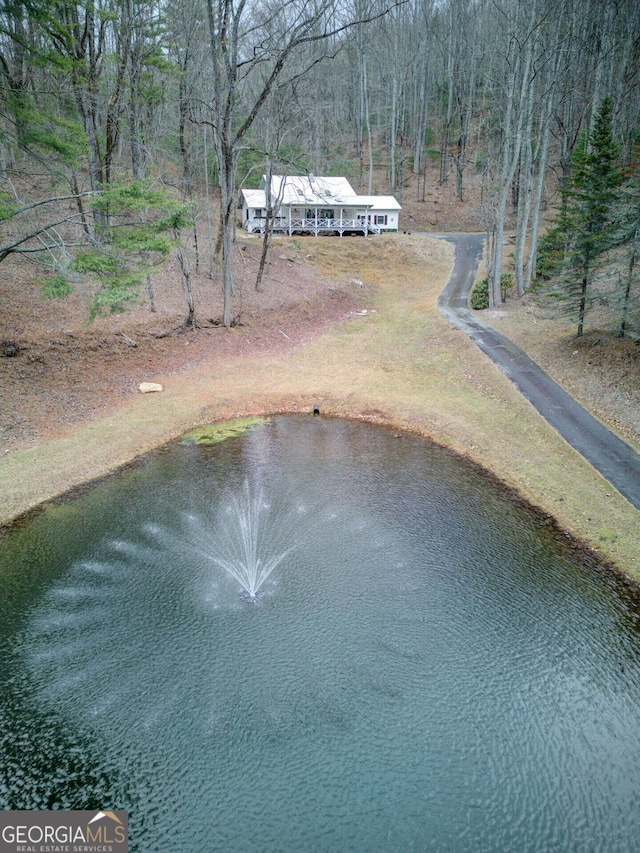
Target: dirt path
396	362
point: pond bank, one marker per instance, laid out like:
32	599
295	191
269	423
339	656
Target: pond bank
398	363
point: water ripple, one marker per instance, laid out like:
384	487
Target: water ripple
427	669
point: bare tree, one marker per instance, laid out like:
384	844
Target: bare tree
519	35
241	41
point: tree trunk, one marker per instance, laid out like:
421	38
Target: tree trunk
509	162
151	295
627	289
524	195
393	132
137	154
444	142
208	200
511	152
86	105
227	207
112	119
76	191
542	158
421	120
465	123
268	227
183	121
368	125
583	299
196	245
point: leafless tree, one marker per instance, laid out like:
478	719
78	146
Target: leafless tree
243	39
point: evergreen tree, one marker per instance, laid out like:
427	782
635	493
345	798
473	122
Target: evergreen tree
588	215
144	226
627	297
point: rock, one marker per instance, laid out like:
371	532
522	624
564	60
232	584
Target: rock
149	387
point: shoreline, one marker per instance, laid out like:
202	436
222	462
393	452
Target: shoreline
626	585
376	368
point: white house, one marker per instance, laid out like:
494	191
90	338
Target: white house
305	204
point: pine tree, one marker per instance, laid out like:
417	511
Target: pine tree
588	215
144	226
627	297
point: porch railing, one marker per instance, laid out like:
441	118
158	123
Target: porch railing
283	223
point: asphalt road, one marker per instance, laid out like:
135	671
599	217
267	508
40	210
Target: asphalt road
617	461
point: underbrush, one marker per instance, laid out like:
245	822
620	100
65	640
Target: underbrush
479	297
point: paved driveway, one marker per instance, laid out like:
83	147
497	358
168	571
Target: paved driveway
613	458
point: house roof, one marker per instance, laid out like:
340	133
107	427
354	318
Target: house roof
308	189
254	198
379	202
303	190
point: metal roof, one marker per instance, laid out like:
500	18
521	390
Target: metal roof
254	198
307	190
379	202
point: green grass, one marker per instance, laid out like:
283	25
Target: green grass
215	433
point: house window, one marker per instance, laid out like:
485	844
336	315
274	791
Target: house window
258	213
310	213
380	219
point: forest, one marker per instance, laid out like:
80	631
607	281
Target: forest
123	122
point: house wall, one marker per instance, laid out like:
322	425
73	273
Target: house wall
251	215
391	219
304	201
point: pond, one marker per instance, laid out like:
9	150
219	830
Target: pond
420	665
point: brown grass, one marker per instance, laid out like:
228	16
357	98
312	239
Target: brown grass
400	364
601	371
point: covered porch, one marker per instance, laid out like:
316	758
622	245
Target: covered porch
300	222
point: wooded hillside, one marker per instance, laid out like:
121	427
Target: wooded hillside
125	121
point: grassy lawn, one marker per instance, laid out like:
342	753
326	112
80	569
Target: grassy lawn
399	364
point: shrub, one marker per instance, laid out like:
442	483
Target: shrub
479	297
551	253
57	287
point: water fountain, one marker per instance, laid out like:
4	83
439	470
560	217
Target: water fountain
246	540
429	669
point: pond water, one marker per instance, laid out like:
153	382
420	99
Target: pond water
423	667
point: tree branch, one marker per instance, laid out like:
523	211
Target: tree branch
5	251
47	201
298	41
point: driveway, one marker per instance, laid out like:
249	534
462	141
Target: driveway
613	458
